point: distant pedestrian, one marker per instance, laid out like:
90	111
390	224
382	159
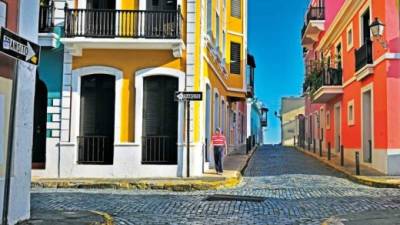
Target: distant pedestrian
220	146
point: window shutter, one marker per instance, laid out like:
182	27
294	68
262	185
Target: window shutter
235	58
209	17
236	8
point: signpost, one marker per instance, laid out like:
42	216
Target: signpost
187	97
17	47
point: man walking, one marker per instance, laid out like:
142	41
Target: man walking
219	144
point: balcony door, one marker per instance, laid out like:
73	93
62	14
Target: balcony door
96	140
160	24
160	120
100	21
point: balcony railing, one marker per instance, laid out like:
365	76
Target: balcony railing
110	23
95	150
315	13
328	77
46	18
159	150
364	55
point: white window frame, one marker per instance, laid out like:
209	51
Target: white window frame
360	25
350	121
350	45
328	119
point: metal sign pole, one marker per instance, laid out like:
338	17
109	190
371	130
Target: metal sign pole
7	179
188	138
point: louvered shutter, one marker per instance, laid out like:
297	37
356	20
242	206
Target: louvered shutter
236	8
235	58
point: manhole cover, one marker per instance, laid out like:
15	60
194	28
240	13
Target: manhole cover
234	198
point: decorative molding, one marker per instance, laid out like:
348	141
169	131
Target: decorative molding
364	72
77	74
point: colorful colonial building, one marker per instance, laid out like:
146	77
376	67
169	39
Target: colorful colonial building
353	80
112	111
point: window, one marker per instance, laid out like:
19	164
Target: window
217	30
3	14
209	17
339	56
365	30
350	113
223	44
235	58
350	37
328	120
236	10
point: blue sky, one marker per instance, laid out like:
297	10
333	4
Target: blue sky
274	40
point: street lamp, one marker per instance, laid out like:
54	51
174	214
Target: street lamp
377	28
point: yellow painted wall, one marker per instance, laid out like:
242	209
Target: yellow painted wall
129	61
291	115
5	90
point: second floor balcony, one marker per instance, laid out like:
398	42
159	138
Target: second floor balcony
314	24
325	85
127	29
364	60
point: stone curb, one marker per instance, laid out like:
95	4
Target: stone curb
108	220
358	179
170	185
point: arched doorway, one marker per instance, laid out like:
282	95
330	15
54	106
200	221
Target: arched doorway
97	115
39	126
160	120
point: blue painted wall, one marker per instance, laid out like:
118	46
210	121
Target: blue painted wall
51	70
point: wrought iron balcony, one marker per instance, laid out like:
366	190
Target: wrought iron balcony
110	23
46	18
159	150
364	55
95	150
327	85
313	26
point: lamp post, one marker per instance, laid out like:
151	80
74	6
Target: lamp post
377	28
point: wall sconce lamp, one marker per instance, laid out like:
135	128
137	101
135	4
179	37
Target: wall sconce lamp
377	28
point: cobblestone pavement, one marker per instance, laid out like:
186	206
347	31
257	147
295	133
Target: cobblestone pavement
297	190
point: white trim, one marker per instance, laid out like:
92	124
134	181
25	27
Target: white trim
235	33
369	87
156	71
350	28
338	105
222	81
350	121
361	12
77	74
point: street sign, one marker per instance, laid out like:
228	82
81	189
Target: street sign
18	47
188	96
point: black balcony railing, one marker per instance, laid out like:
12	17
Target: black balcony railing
46	18
327	77
159	150
315	13
110	23
95	149
364	55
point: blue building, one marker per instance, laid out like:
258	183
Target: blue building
48	93
256	111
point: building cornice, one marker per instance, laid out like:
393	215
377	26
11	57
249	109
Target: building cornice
342	18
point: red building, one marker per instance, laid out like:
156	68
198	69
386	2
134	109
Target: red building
352	82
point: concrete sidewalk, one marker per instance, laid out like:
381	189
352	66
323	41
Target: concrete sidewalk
51	217
234	165
368	176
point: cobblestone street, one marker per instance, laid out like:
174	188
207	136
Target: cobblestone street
298	190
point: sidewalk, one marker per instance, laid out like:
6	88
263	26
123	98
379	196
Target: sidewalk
234	167
368	176
45	217
381	217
